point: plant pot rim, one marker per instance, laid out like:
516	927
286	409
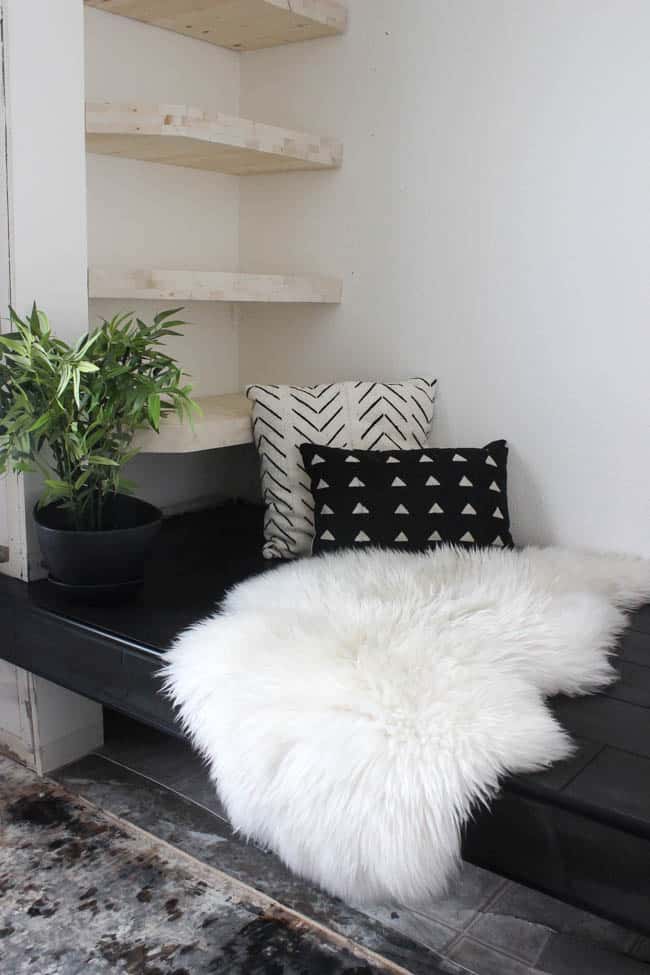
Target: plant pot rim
156	516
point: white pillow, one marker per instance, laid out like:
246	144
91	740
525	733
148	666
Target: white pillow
356	415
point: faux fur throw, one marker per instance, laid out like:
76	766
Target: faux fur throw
355	708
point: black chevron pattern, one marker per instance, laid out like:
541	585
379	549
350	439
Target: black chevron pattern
370	415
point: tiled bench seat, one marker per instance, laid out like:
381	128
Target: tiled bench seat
580	831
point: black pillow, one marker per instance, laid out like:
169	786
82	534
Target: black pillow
409	499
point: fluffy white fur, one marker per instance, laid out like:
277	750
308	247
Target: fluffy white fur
355	708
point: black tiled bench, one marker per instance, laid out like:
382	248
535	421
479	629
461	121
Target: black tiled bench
580	831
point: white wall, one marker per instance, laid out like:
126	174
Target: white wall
491	224
46	159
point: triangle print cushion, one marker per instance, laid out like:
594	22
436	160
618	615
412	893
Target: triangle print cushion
354	417
407	507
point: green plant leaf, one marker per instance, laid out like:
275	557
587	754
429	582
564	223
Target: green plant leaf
102	461
153	408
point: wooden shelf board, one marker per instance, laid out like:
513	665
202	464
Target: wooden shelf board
242	25
179	285
178	135
226	422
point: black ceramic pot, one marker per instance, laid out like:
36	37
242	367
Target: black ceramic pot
109	560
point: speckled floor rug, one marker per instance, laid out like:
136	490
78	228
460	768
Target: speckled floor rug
81	894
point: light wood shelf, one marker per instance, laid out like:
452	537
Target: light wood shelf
242	25
179	135
195	285
226	422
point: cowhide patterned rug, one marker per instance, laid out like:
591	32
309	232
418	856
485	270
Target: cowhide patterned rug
79	894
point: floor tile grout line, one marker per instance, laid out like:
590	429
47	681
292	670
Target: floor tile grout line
486	944
459	930
498	951
583	768
164	785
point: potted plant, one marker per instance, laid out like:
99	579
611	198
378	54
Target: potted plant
71	412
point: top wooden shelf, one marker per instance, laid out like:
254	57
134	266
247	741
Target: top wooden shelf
241	25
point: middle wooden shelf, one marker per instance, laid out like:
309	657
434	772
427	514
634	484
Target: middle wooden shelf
160	284
178	135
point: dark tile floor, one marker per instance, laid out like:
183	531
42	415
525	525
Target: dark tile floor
485	925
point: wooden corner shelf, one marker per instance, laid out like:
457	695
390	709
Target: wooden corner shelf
226	422
178	135
178	285
241	25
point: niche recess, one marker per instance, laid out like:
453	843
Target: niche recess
180	135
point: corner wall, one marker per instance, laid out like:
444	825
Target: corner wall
491	225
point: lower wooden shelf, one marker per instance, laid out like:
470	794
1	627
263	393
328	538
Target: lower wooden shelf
196	285
226	422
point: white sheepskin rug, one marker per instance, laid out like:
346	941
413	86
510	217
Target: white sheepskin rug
355	708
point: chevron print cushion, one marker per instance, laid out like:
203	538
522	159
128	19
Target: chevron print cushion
409	499
370	415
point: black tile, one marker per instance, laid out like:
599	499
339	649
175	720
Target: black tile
635	647
466	895
200	789
618	781
515	935
197	558
482	960
555	917
641	950
640	620
415	926
564	955
154	754
633	685
608	721
559	774
577	859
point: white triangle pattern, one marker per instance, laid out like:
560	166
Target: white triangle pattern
498	542
317	460
398	482
362	537
498	514
436	510
459	459
495	487
432	482
435	537
356	483
326	510
425	459
467	537
321	485
465	482
360	510
328	537
352	460
402	537
401	510
392	460
468	510
491	461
